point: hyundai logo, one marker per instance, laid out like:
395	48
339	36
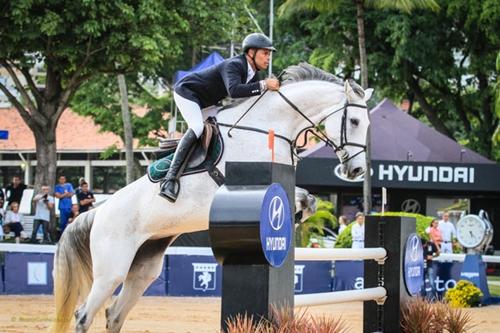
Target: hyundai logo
276	213
414	248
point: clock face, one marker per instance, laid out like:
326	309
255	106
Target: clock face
471	231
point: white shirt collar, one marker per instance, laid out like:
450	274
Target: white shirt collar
250	72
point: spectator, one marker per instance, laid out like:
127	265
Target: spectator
85	198
430	251
342	223
15	190
448	233
64	191
75	211
358	232
2	216
13	221
434	233
44	204
81	180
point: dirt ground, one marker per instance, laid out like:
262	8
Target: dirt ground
30	314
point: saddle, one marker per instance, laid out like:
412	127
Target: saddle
204	157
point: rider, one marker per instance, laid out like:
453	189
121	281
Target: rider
235	77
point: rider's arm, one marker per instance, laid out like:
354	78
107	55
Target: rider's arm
232	76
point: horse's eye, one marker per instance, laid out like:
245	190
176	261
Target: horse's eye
354	121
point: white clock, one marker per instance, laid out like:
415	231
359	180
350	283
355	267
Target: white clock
473	232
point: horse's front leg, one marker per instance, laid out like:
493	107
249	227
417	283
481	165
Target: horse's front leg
145	269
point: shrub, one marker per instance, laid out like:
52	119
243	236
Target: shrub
463	295
421	316
283	322
344	239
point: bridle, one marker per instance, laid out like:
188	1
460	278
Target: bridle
317	131
314	130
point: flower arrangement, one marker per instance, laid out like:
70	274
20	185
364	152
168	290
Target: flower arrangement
463	295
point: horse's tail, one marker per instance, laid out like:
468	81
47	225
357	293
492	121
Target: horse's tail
72	269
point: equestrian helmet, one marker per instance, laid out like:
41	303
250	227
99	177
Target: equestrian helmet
257	41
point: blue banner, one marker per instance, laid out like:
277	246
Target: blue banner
4	135
275	225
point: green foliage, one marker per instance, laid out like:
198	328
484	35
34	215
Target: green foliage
442	61
99	98
344	239
422	221
313	226
464	295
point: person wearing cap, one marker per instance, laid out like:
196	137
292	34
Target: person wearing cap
235	77
358	232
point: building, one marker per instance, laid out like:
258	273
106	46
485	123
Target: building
80	144
423	170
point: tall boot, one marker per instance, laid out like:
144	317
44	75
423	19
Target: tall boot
168	185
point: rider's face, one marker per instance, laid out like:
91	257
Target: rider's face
262	58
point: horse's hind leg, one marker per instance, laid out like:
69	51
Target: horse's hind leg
146	268
111	262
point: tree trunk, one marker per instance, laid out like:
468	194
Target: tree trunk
363	63
46	156
127	129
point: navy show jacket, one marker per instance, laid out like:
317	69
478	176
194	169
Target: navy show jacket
209	86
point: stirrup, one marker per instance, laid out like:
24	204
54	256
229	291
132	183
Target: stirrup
172	197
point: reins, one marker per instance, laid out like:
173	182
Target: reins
314	129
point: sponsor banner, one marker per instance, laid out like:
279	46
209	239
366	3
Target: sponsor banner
275	225
413	266
28	273
349	276
313	277
411	175
193	276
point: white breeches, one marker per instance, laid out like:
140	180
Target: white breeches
193	114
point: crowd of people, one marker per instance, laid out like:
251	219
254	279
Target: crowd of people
71	203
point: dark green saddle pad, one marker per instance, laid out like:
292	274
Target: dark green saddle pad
197	164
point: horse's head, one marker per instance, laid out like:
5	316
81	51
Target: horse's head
349	134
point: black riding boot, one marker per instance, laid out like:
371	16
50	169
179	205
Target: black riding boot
168	185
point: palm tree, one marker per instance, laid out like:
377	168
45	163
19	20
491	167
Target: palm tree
331	6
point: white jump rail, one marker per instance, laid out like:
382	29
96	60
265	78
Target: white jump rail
368	294
461	257
309	254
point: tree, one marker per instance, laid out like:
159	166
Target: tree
76	40
333	6
127	129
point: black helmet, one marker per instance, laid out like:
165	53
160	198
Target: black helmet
257	41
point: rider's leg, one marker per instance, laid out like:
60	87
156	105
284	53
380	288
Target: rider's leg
191	113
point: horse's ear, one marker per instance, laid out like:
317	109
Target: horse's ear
349	92
368	94
353	91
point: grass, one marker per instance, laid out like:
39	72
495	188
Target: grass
494	289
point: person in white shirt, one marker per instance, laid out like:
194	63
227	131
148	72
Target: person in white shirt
358	232
448	233
13	221
44	204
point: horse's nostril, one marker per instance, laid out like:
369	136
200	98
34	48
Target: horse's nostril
357	171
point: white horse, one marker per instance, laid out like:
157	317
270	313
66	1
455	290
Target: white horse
123	241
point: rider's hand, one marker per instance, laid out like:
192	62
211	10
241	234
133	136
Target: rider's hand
272	84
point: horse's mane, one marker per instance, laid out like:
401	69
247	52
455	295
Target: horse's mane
304	71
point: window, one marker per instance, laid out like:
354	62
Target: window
108	180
